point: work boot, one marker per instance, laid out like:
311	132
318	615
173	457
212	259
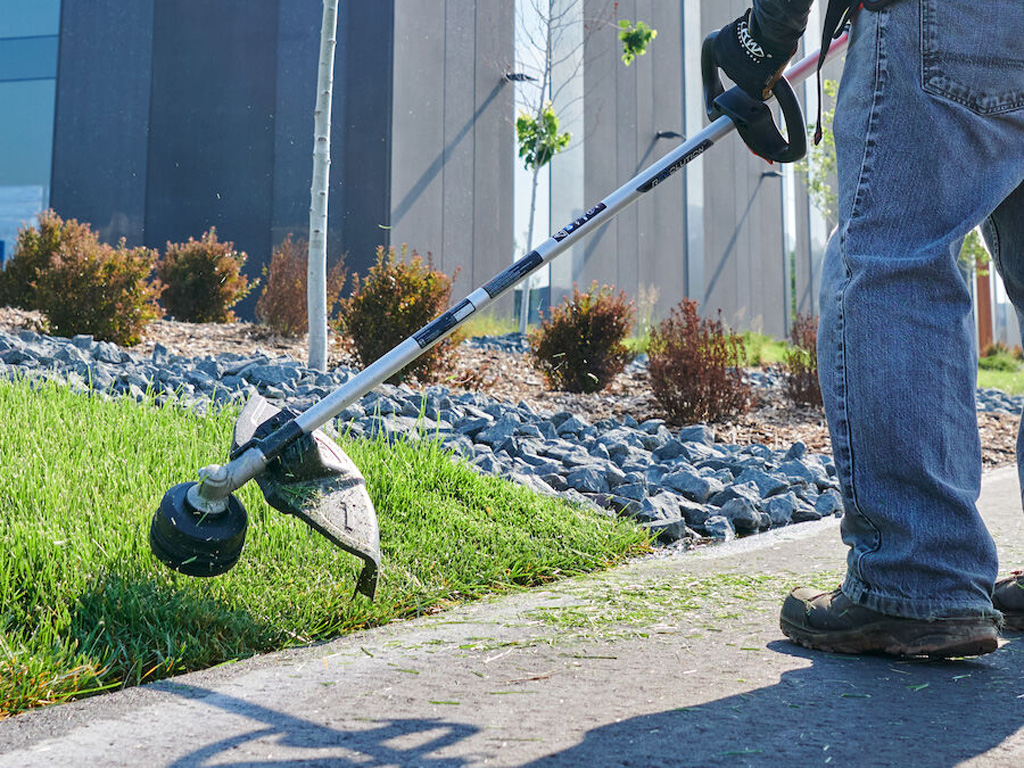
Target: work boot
1008	597
830	621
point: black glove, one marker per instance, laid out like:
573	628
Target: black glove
748	61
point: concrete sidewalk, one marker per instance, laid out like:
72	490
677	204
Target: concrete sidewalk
667	662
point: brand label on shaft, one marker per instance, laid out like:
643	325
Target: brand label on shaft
696	152
568	229
442	325
513	274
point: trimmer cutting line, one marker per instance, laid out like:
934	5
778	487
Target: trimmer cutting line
199	528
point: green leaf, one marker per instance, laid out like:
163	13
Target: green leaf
540	140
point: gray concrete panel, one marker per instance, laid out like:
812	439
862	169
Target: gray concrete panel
458	177
628	100
601	149
212	126
102	116
663	263
418	148
743	265
452	147
298	53
493	144
365	73
568	168
740	226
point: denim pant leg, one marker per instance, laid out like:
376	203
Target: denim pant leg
930	139
1004	236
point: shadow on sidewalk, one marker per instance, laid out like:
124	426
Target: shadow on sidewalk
399	742
839	710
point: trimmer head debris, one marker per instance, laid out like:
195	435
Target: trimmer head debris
314	480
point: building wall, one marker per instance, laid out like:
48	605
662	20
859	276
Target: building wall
211	131
715	232
176	116
28	77
201	116
452	153
623	109
101	140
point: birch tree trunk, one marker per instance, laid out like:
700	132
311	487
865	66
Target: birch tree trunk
545	84
316	267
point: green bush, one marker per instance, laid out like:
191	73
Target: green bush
579	346
33	253
90	287
800	362
999	357
396	299
696	367
282	305
203	279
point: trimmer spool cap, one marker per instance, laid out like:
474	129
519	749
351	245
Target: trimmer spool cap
195	542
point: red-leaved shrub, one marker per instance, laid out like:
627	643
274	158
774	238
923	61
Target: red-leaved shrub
282	305
696	367
800	362
99	290
60	268
33	253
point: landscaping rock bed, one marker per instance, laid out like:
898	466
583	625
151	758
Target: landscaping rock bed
685	484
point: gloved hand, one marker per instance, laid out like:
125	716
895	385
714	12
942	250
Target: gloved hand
747	60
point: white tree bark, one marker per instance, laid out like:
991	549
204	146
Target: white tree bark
545	85
316	268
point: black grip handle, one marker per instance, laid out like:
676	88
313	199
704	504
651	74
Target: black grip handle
752	117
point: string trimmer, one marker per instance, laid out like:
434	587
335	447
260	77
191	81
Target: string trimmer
199	528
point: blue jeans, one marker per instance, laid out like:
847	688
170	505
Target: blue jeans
930	143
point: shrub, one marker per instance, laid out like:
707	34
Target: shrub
695	367
282	305
800	362
999	357
203	279
33	253
395	300
579	345
91	287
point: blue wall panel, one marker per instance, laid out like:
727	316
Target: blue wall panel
102	123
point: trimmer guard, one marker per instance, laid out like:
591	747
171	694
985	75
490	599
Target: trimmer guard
317	482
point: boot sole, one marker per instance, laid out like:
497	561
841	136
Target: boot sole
932	640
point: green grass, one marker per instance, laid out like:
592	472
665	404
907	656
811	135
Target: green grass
1011	382
763	350
760	350
85	607
488	324
1001	370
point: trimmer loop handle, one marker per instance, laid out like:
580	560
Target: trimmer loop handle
753	118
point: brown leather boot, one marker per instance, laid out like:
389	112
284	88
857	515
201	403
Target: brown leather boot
830	621
1008	597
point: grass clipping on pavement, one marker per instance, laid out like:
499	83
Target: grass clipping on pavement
85	607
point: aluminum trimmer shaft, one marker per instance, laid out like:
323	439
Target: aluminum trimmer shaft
217	482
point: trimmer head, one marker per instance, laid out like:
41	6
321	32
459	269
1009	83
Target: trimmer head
314	480
193	541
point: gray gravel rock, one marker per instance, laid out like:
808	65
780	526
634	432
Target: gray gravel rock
680	483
